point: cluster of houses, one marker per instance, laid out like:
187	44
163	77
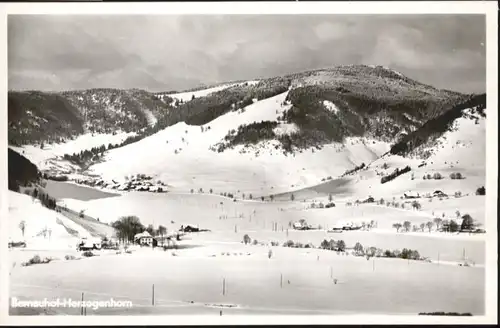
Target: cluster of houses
338	227
142	239
146	239
138	183
302	225
346	226
413	195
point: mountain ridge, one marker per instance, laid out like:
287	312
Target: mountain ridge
349	115
103	109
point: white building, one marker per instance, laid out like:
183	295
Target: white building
144	238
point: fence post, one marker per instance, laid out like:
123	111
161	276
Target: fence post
223	286
281	281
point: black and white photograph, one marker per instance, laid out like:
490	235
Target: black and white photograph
225	164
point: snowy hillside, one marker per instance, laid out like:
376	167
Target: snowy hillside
50	156
180	155
462	150
43	228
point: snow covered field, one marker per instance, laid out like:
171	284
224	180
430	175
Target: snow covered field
256	219
291	282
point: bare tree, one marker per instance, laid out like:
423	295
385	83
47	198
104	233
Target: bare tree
429	225
358	248
22	226
416	205
467	222
397	226
151	230
438	222
422	226
247	239
407	225
341	245
127	227
162	231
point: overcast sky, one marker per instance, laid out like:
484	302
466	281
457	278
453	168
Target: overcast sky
160	53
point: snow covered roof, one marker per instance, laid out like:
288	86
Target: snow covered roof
142	235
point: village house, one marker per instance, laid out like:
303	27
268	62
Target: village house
145	239
411	195
86	244
438	193
189	228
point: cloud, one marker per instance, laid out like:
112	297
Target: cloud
161	52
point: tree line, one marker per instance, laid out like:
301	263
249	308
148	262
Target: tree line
397	172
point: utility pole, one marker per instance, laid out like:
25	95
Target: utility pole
81	309
153	296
